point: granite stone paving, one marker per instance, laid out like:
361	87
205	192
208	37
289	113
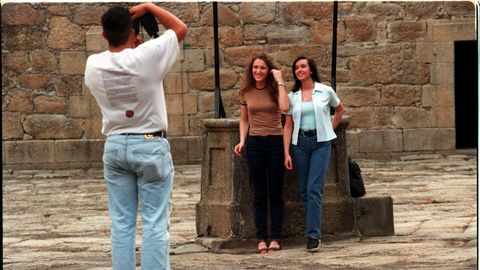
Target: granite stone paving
58	219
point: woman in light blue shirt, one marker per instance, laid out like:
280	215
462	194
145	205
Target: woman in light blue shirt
309	129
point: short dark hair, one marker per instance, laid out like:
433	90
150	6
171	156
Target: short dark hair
117	25
313	69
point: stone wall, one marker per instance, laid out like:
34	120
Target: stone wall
394	73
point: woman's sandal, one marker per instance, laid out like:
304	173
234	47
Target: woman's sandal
274	245
262	246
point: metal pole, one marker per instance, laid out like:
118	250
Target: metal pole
219	110
333	80
334	46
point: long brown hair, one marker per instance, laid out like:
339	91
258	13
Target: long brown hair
249	81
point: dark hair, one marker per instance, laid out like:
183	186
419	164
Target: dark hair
313	69
117	25
249	81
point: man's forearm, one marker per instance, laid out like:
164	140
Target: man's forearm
168	20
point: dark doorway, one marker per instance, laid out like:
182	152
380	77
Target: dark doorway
466	93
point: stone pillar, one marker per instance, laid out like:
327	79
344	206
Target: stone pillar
225	209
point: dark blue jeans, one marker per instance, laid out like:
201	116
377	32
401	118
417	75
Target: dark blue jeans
311	159
265	164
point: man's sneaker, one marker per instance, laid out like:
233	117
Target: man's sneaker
313	245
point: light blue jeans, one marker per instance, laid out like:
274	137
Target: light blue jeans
311	159
138	170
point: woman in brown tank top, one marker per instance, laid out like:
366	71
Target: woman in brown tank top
263	98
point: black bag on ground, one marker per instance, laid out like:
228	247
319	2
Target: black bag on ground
357	187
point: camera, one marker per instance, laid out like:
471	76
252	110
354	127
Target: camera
148	22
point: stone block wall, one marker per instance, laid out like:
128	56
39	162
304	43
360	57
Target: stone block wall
395	73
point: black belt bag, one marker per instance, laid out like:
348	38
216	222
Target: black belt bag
307	133
151	135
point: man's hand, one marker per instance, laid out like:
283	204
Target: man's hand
138	41
167	19
139	10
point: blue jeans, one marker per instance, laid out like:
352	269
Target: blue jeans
265	163
311	159
138	170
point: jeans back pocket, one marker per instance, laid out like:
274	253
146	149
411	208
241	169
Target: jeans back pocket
153	161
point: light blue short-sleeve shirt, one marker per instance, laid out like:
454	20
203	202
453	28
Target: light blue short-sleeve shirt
323	97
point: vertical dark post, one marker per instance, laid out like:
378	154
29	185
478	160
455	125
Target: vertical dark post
333	80
219	110
334	46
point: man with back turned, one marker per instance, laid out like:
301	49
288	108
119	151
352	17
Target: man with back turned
127	83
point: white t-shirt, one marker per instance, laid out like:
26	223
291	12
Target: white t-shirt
128	85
